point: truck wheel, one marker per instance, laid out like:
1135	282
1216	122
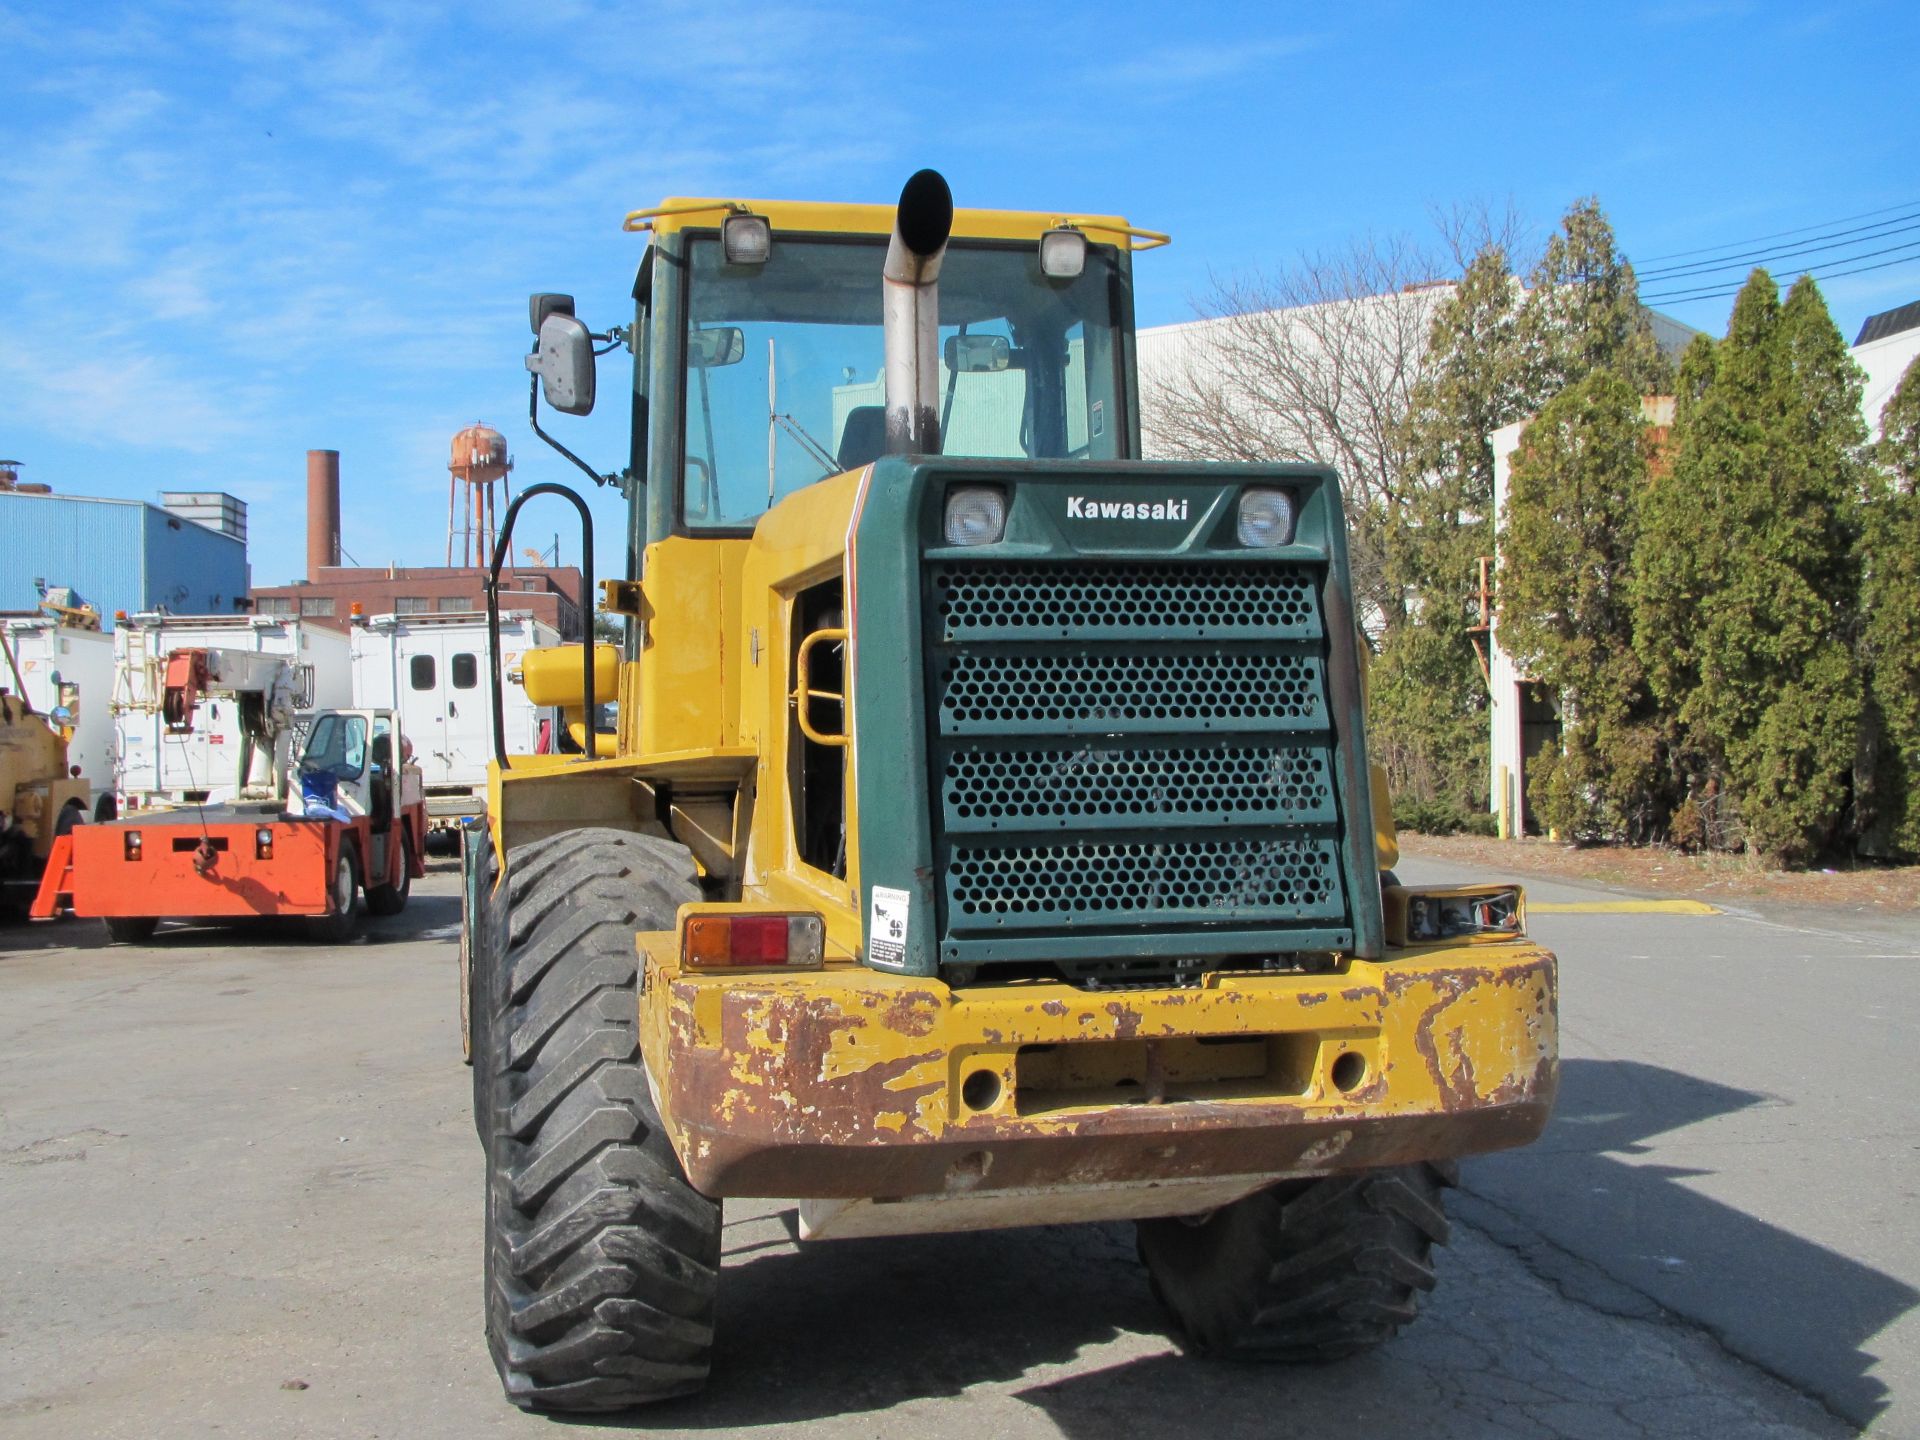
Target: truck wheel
131	930
1308	1271
601	1260
336	927
392	899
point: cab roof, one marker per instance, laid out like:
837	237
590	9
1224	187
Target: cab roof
814	217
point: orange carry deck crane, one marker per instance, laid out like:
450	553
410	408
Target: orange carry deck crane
354	825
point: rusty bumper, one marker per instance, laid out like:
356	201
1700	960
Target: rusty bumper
851	1083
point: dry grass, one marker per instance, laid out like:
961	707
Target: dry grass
1732	877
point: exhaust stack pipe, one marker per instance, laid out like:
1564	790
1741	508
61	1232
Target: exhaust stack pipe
911	312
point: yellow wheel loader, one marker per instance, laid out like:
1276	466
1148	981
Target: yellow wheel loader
984	835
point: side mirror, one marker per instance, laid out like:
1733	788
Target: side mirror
710	349
978	354
563	359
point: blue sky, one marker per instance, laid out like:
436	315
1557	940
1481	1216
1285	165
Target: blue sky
234	233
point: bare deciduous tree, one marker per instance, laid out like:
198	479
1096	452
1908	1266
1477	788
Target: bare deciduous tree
1317	363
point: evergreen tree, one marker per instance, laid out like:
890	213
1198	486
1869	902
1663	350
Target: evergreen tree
1744	604
1429	697
1890	624
1569	532
1583	313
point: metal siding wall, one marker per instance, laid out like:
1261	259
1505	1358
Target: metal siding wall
191	570
92	545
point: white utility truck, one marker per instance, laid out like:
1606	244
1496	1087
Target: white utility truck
433	670
67	672
233	745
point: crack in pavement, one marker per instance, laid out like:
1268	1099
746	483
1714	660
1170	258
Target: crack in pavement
1591	1285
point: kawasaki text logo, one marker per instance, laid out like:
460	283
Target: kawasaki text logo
1081	508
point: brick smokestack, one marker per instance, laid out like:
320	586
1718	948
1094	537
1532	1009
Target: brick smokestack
323	510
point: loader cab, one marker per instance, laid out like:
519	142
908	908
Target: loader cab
758	370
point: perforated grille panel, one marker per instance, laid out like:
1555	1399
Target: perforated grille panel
1182	690
1225	879
1059	598
1092	788
1130	753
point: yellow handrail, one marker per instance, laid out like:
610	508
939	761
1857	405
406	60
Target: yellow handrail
1151	239
803	691
643	219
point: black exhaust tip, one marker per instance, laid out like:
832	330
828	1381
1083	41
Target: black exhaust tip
926	212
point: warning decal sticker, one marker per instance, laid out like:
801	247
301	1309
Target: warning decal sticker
887	928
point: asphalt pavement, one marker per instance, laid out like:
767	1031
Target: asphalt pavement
1736	1139
241	1196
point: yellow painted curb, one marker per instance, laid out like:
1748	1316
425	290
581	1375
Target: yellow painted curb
1622	907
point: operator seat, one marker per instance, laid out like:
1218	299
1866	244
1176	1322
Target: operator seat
863	439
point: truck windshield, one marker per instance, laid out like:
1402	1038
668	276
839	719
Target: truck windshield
784	367
338	744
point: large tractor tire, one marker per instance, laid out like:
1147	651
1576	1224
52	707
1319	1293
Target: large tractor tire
1311	1270
601	1260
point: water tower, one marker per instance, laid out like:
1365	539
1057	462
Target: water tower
479	462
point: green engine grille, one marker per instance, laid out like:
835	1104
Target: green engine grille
1131	758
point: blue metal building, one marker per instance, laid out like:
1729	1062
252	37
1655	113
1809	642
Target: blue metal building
118	554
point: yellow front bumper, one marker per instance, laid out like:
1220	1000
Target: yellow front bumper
847	1082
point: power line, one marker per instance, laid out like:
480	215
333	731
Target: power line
1679	297
1782	234
1900	224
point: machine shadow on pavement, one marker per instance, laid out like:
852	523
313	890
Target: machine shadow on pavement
1796	1308
860	1326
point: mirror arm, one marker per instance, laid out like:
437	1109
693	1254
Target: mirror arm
533	419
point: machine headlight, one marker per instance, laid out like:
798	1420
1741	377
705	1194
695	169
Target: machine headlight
1063	254
976	514
1266	517
746	239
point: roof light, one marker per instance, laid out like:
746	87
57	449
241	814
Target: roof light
1063	253
752	941
746	239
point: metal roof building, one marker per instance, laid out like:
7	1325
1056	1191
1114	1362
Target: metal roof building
118	554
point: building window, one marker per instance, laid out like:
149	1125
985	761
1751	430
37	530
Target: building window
274	605
530	582
420	672
316	605
466	671
453	604
409	604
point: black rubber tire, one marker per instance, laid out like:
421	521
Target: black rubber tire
1309	1271
601	1260
106	808
133	930
338	925
73	813
392	899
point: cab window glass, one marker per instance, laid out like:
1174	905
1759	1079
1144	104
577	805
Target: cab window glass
337	743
